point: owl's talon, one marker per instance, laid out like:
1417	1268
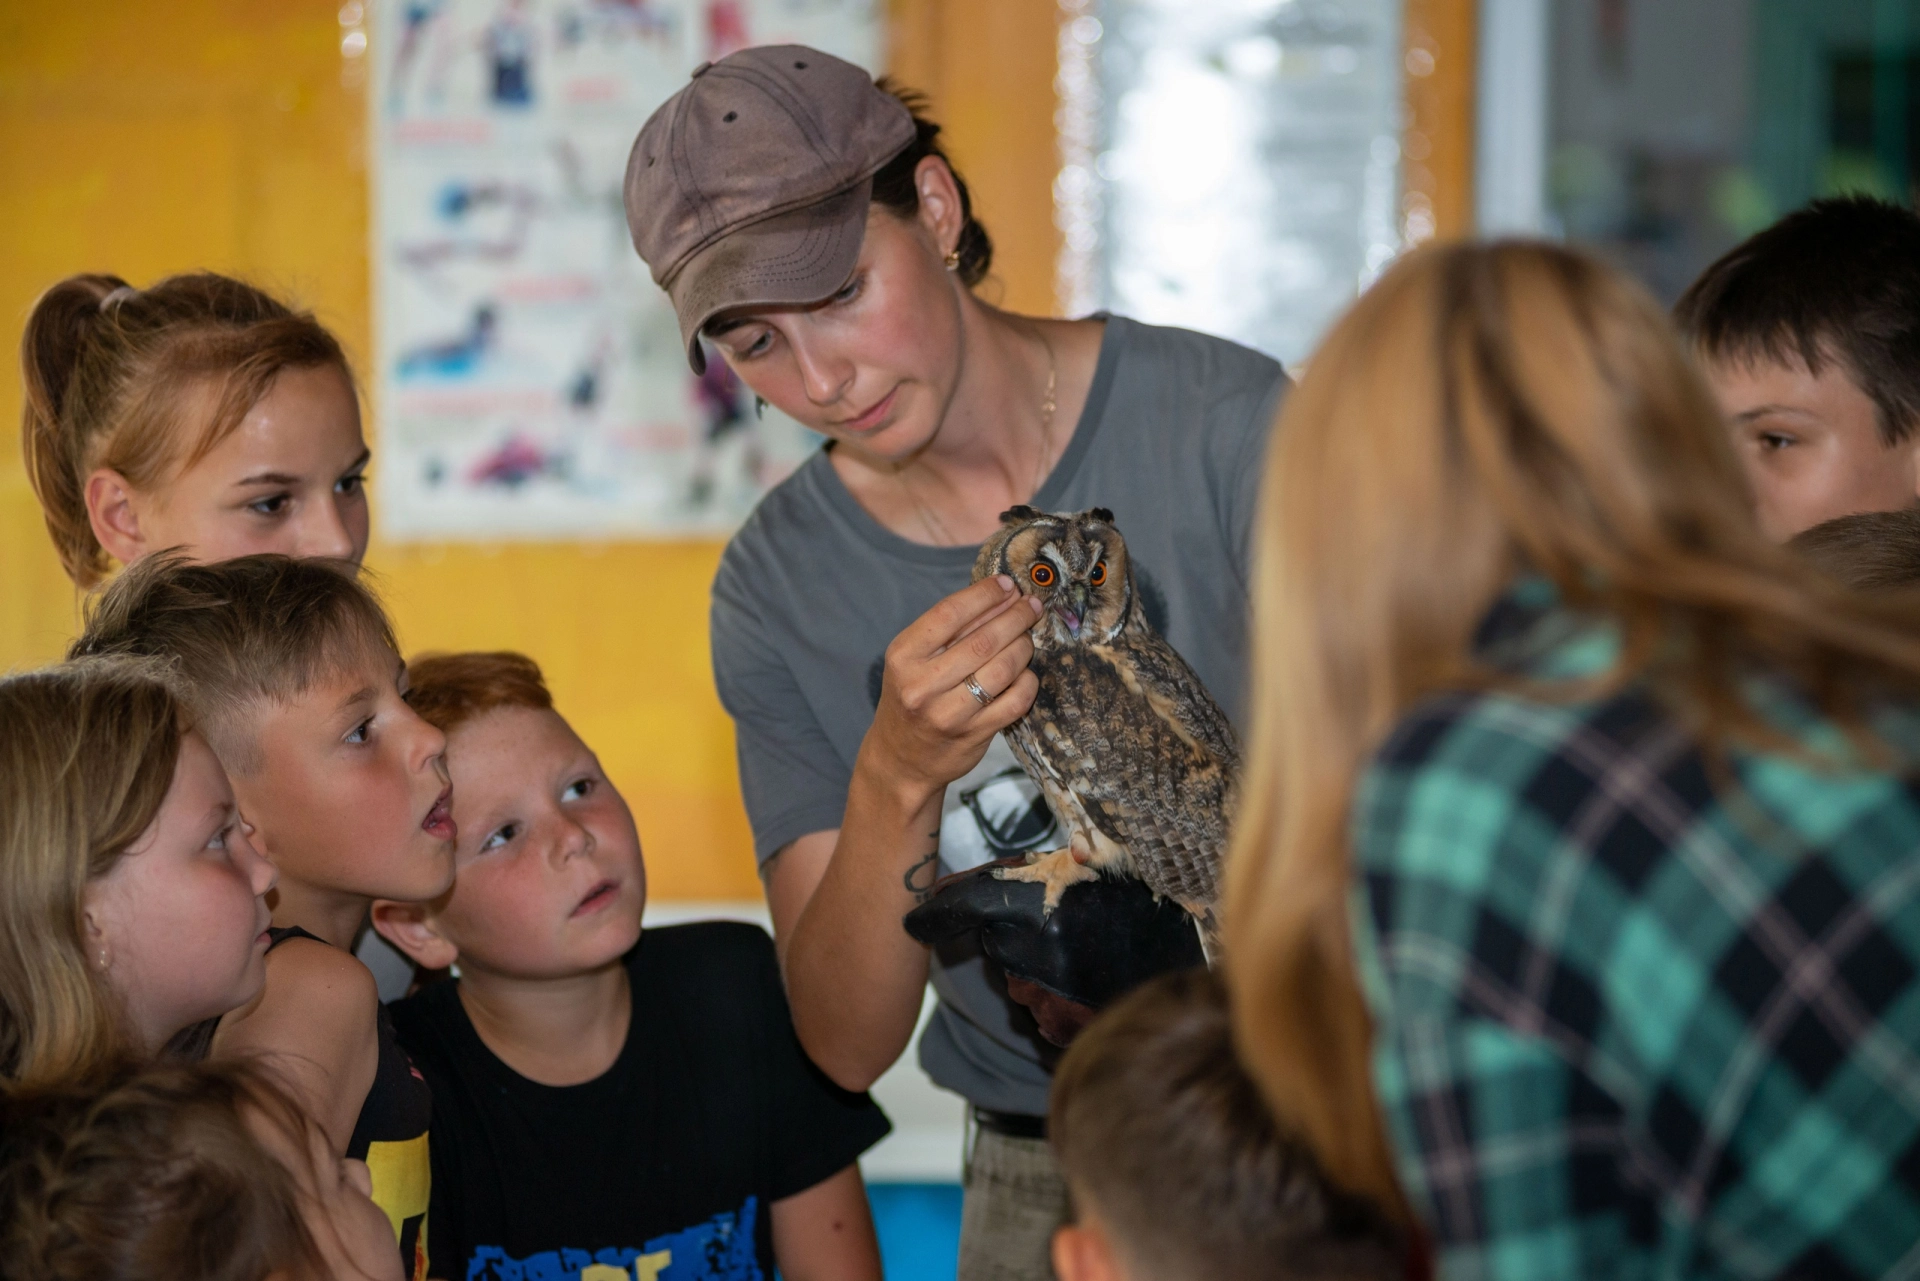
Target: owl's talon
1056	870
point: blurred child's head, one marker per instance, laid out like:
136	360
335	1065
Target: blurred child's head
1176	1168
1809	333
199	413
207	1171
130	898
293	674
549	881
1870	551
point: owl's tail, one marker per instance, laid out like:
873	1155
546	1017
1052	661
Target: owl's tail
1208	927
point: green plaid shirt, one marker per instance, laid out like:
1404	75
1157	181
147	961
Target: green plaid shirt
1636	1018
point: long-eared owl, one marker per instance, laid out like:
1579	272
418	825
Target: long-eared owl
1136	759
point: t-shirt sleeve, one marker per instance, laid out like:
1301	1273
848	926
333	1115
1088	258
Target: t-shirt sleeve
818	1128
790	776
1237	455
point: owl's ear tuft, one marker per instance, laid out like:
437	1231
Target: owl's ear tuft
1017	514
1101	514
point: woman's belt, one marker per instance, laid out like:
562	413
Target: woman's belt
1014	1125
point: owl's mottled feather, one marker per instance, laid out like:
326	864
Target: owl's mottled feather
1135	757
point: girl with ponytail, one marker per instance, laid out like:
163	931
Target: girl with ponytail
199	414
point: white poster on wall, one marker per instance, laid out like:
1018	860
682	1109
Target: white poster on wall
529	376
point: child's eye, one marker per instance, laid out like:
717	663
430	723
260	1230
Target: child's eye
759	346
350	484
578	789
360	733
849	291
499	837
1773	441
269	506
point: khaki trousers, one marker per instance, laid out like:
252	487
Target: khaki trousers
1015	1198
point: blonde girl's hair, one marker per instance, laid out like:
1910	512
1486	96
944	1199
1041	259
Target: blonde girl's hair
156	1173
1484	409
87	752
145	382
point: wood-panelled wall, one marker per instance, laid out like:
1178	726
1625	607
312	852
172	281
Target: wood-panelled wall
1437	141
988	67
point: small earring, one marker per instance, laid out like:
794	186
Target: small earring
759	408
952	260
103	958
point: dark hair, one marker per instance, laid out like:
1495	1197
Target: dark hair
1159	1128
238	633
105	367
1868	551
895	191
450	689
153	1174
1837	280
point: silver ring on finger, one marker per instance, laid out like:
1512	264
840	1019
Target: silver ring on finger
980	696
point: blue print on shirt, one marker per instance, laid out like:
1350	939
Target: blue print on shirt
721	1249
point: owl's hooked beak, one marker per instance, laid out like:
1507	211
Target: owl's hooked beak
1071	616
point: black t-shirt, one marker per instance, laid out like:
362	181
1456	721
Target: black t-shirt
665	1165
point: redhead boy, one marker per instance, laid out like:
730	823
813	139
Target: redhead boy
1809	333
607	1104
291	669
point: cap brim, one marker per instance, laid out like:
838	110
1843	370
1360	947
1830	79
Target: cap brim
794	259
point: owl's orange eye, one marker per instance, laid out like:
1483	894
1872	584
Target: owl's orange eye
1099	574
1042	575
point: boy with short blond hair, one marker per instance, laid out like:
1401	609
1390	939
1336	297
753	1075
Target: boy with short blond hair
1177	1169
607	1103
292	673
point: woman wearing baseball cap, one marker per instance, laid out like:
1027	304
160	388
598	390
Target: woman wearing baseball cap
810	230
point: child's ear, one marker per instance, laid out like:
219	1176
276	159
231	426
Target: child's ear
1082	1253
411	928
110	510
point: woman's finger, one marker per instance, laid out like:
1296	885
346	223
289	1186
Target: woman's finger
1000	671
951	617
983	644
1010	704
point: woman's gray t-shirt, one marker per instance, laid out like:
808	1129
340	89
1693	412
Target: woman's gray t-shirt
812	590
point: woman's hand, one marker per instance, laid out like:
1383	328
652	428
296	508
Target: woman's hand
929	728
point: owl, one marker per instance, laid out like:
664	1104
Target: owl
1134	756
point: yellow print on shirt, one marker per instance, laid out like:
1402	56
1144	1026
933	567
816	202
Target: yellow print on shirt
647	1267
402	1186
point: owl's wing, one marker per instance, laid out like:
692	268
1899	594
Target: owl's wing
1144	755
1158	665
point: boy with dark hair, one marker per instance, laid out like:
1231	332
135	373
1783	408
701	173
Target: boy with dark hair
1872	551
292	673
1177	1169
1809	333
608	1103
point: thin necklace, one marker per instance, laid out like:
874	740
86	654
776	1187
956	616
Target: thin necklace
932	523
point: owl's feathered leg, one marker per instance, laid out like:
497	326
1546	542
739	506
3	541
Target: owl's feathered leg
1055	870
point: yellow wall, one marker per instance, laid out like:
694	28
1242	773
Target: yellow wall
145	137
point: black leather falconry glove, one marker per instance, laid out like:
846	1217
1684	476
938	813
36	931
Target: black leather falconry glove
1105	938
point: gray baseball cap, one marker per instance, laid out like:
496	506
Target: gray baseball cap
750	186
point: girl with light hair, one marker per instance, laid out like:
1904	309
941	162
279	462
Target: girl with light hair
1574	908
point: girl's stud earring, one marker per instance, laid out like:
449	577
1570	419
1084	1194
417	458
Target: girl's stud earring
952	260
